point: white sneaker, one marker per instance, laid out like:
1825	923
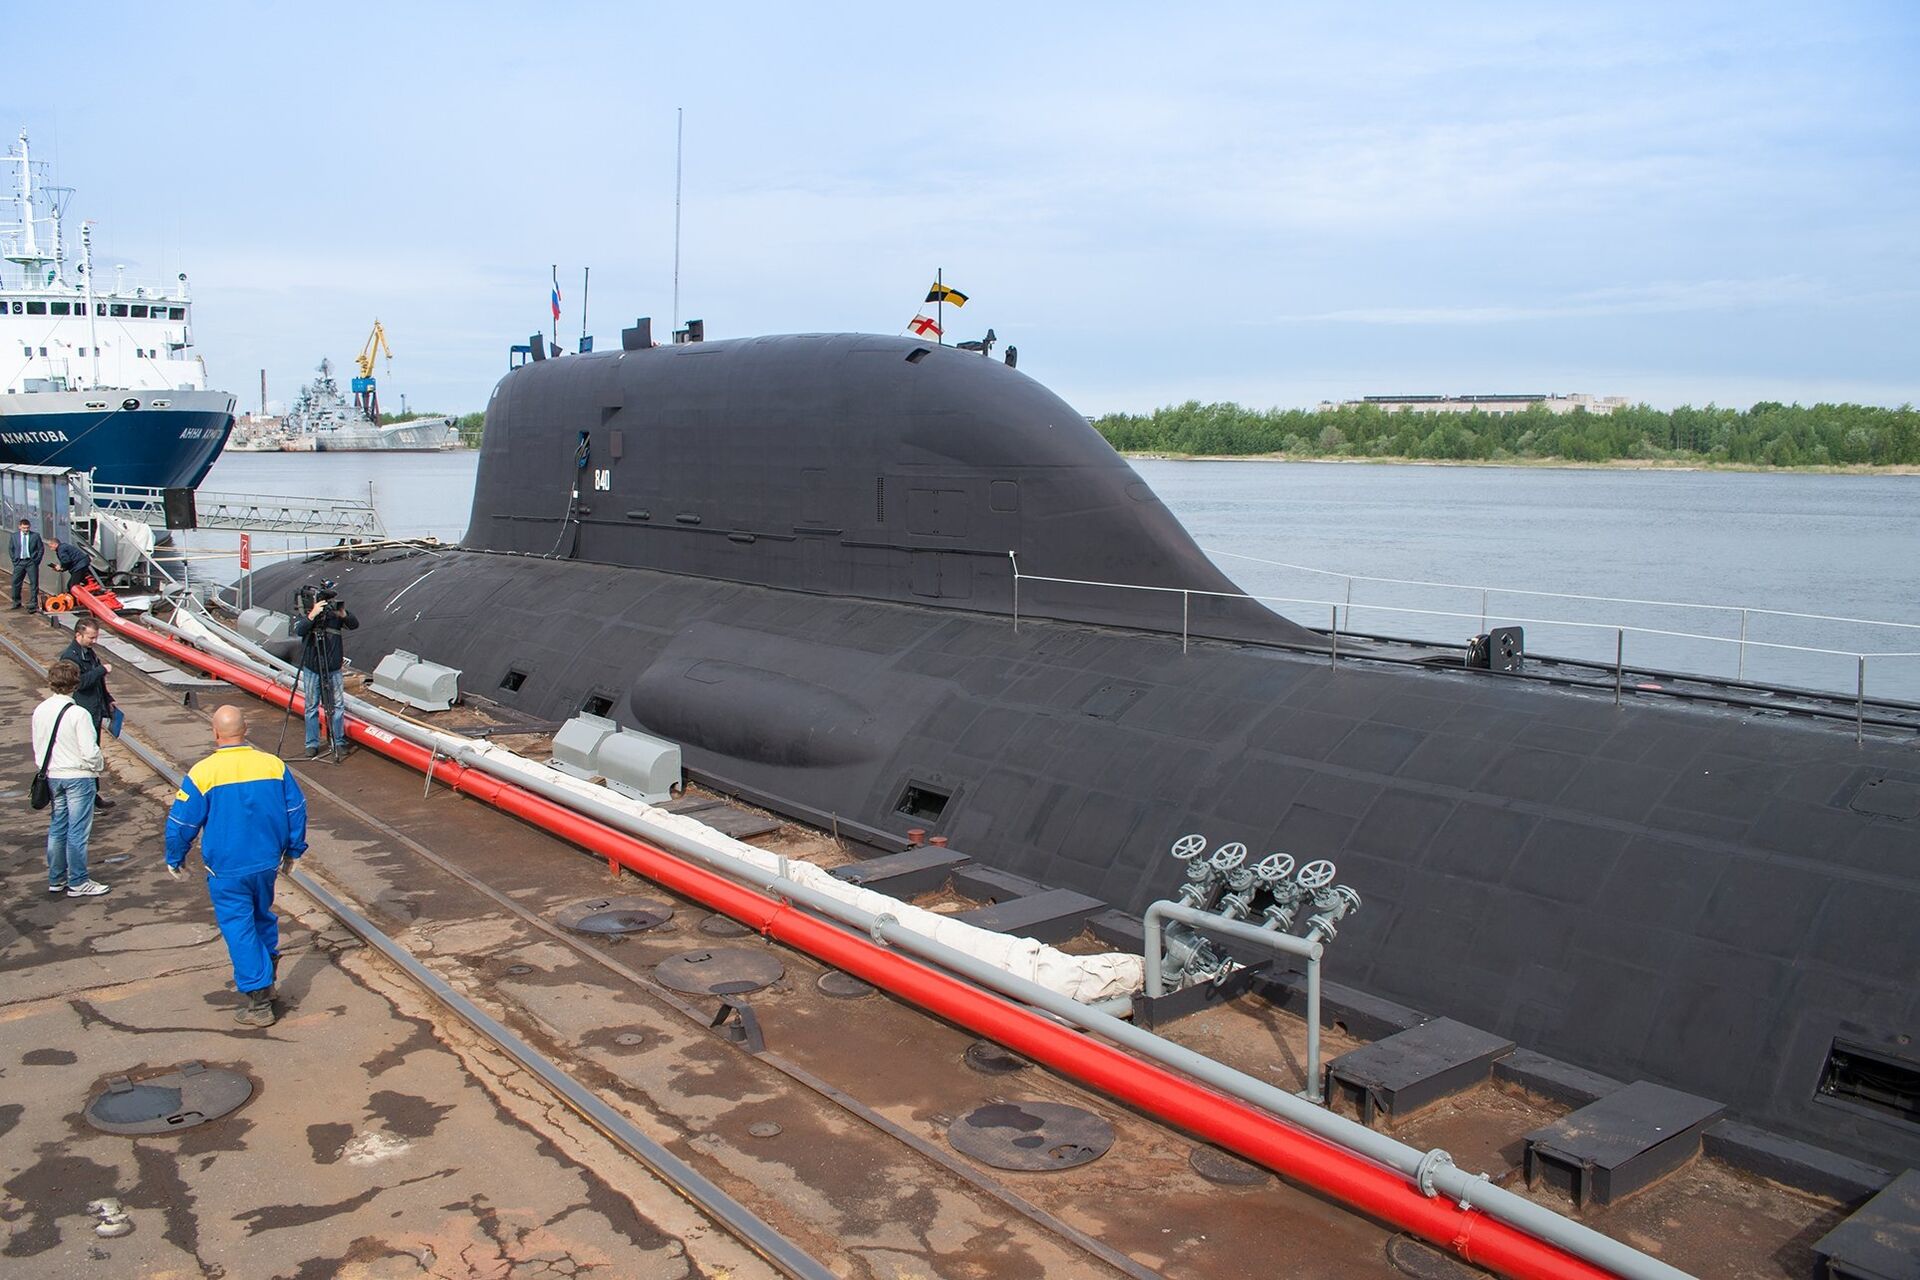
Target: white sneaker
86	889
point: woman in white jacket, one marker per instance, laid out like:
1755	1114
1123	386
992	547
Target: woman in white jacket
72	768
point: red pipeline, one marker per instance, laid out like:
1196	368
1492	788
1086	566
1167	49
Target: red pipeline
1301	1157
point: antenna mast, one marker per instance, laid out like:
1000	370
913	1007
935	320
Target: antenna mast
679	134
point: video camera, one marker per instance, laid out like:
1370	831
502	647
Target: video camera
326	593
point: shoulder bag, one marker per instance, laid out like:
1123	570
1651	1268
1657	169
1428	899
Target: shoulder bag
40	793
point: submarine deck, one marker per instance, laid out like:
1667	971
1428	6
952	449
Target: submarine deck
421	1150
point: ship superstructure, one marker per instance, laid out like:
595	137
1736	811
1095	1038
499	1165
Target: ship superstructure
324	420
96	375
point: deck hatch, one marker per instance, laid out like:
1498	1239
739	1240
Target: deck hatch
1859	1075
512	681
923	800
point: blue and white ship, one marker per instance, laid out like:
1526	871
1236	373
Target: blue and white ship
100	378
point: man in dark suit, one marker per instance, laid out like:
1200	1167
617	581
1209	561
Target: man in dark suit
73	561
25	549
91	696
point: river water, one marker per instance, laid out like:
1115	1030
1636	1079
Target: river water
1841	545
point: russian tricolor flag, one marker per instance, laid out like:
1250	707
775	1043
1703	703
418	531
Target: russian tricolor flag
556	299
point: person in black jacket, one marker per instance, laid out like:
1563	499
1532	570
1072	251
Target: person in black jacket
73	561
321	683
91	696
25	549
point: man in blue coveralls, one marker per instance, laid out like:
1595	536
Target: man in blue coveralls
255	823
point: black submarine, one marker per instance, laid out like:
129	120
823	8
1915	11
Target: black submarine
852	576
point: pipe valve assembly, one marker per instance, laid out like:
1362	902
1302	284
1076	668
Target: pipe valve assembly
1224	888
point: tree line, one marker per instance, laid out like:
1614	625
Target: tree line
1769	434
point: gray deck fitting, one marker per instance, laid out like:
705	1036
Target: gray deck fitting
1881	1241
987	884
1611	1148
922	869
1797	1164
1119	930
1412	1069
1052	915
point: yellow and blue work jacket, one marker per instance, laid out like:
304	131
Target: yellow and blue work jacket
249	806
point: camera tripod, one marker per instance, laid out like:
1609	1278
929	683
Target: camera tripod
310	649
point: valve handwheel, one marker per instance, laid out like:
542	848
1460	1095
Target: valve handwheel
1187	848
1317	874
1275	867
1228	856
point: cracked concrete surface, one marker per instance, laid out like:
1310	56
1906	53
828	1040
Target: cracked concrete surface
453	1162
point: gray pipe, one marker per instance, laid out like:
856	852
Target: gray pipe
1308	948
1432	1171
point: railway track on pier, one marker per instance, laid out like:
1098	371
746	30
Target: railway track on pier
830	1131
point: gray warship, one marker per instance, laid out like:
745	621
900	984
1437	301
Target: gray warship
323	420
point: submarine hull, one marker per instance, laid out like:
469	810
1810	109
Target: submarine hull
1649	891
892	585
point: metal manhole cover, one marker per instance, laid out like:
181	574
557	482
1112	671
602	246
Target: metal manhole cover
764	1129
721	971
1031	1136
614	915
1218	1167
723	927
188	1095
519	970
1417	1258
842	986
989	1059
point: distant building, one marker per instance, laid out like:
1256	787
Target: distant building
1497	404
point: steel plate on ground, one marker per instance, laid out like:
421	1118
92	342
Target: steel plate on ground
1031	1136
719	971
188	1095
842	986
614	915
718	926
990	1059
1218	1167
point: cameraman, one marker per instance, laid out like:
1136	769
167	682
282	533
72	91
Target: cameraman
321	652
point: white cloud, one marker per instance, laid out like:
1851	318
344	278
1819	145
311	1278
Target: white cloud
1652	299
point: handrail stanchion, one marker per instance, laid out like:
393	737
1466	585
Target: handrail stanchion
1860	704
1184	597
1333	630
1741	674
1015	560
1619	660
1349	599
1483	611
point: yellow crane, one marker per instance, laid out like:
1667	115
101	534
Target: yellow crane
365	392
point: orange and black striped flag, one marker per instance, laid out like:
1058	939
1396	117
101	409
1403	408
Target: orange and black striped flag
947	294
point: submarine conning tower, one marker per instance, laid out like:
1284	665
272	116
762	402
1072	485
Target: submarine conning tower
846	464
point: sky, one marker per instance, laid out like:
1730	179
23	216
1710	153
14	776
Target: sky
1274	204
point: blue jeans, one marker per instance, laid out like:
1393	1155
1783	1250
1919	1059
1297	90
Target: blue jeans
68	831
336	694
243	908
